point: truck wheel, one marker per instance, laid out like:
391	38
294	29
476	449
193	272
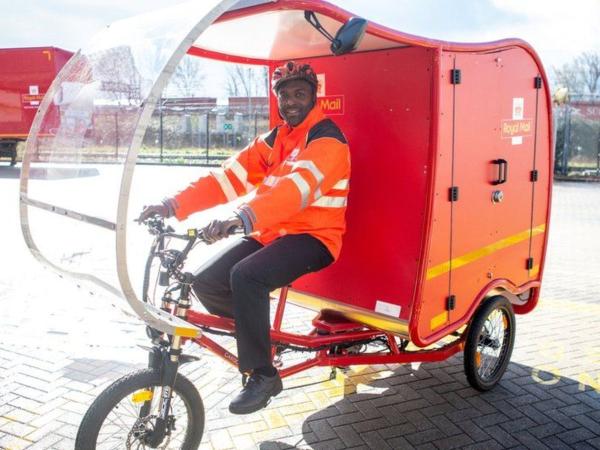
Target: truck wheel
115	418
489	344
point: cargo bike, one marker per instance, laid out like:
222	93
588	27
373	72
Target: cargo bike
451	151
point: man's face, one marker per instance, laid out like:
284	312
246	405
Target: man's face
295	100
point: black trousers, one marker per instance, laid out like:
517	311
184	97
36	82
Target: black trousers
237	281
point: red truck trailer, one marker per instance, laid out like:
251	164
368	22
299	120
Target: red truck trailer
25	75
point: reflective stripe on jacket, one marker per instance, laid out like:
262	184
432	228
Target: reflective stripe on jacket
300	177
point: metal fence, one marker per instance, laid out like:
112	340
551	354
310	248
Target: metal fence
194	133
577	139
181	131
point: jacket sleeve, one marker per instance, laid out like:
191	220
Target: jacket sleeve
319	167
241	174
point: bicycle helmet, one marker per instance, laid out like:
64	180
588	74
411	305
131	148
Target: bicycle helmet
293	71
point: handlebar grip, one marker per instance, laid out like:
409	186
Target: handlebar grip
233	230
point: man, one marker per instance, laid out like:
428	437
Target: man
294	224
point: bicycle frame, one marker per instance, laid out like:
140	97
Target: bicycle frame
320	343
330	338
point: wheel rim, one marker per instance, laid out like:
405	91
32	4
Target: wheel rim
122	427
492	344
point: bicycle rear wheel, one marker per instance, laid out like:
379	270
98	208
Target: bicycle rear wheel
489	344
113	420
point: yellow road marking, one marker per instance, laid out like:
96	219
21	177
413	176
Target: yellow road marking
468	258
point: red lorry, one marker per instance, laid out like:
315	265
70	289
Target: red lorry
25	76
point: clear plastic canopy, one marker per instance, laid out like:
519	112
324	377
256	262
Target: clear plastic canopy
77	171
77	186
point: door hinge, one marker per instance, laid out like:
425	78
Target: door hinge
529	263
537	82
534	176
451	302
455	76
453	194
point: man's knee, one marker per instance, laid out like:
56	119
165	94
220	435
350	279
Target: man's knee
206	284
240	276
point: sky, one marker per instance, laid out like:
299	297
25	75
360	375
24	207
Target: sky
558	30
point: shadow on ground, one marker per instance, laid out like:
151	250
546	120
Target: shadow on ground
87	370
415	407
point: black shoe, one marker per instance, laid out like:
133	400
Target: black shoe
256	393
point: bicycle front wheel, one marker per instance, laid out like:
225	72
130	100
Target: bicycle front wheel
124	415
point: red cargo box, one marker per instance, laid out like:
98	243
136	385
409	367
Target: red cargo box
25	76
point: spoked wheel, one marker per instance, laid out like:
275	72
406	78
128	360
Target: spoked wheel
489	344
114	420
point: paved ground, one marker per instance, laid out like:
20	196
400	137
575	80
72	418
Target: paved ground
59	347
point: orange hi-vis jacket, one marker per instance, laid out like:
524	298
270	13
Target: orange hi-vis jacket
300	177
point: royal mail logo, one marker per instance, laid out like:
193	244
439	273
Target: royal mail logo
512	128
332	104
31	101
32	98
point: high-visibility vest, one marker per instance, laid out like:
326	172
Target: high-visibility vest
300	177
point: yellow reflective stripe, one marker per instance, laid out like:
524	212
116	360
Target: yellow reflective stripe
438	320
142	396
342	184
535	271
186	332
302	186
467	258
331	202
225	184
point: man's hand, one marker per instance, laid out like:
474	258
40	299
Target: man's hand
219	229
153	210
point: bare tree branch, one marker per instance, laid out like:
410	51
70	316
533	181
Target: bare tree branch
188	77
246	81
589	68
567	76
582	76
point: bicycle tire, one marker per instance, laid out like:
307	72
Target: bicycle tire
477	337
91	424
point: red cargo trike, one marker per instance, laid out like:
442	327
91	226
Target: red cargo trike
451	147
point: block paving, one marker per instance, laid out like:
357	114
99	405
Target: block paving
60	347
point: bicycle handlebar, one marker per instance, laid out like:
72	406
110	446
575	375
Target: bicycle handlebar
174	259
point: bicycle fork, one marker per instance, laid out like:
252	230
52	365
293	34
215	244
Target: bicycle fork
166	360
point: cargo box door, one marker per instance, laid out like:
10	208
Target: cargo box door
494	149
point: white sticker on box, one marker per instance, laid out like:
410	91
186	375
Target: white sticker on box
321	85
518	106
517	140
34	90
389	309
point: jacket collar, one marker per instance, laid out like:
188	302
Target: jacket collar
314	116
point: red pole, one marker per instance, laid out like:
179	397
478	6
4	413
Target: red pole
279	315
